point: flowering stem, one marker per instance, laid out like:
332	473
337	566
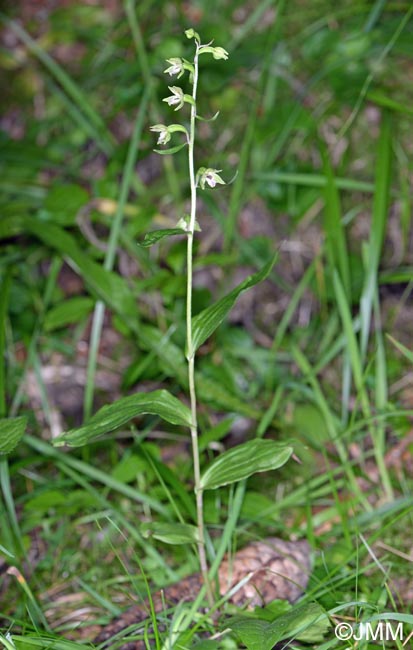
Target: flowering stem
189	342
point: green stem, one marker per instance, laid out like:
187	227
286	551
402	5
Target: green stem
190	348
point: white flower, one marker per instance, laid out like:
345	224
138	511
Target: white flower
176	99
164	134
176	67
209	176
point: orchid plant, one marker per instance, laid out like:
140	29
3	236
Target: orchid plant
238	463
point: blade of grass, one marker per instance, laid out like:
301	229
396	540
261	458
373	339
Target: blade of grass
338	258
381	400
351	344
336	241
4	302
314	180
357	368
54	269
331	423
76	114
374	15
252	21
134	26
99	312
97	127
377	229
402	348
378	63
79	479
95	474
387	102
239	184
33	608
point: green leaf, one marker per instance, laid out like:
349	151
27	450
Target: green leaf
170	533
306	623
207	119
109	286
153	237
336	243
113	416
164	152
70	311
11	431
378	226
243	461
402	348
207	321
63	202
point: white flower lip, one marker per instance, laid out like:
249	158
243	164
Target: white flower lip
164	134
176	99
176	67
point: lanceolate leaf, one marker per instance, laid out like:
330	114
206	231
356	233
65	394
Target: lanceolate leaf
152	237
207	119
170	533
243	461
164	152
115	415
207	321
307	623
11	431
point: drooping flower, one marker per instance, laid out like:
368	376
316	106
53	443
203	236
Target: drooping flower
209	176
176	99
217	52
176	67
164	134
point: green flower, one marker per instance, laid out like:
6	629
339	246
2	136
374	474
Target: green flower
164	134
217	52
176	99
209	176
176	67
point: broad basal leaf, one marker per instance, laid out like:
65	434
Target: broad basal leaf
243	461
170	533
307	623
11	431
153	237
115	415
207	321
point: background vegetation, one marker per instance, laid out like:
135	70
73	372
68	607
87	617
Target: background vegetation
314	131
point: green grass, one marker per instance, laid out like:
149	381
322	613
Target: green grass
314	129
